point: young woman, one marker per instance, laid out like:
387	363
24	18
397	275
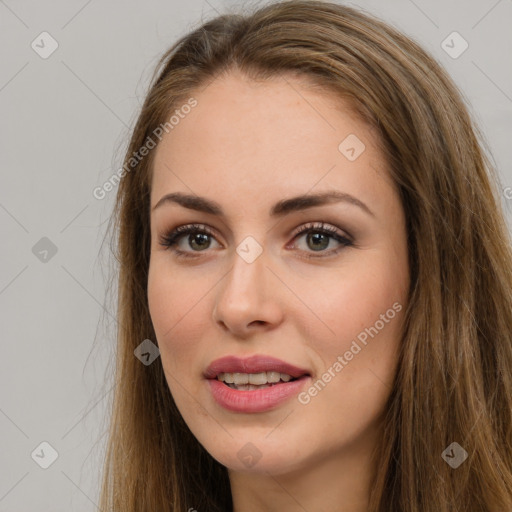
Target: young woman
310	233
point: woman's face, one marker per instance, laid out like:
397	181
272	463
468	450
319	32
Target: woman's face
328	301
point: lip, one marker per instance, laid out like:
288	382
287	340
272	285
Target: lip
253	364
257	400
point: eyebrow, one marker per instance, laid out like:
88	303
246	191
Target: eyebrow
281	208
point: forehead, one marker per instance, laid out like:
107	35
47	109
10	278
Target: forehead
249	139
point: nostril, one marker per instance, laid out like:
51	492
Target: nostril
259	322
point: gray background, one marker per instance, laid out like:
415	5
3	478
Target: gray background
65	123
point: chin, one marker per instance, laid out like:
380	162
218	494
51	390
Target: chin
255	454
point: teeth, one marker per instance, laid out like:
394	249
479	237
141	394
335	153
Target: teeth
254	379
273	376
258	379
226	377
241	378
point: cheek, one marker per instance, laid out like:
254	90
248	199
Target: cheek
161	300
351	301
363	310
172	296
174	308
358	362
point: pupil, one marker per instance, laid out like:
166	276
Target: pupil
315	237
199	235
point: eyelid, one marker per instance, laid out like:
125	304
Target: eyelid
171	238
321	226
186	229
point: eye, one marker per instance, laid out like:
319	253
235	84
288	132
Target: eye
318	235
198	236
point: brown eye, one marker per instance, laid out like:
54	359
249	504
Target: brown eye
318	237
199	239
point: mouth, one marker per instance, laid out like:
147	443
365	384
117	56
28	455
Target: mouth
255	372
257	384
252	381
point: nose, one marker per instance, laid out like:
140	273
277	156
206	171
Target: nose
246	300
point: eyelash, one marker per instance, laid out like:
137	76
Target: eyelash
170	240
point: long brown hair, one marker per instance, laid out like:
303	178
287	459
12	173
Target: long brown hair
454	377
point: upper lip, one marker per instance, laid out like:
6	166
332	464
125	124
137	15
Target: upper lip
253	364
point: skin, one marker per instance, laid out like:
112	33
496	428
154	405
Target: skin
247	145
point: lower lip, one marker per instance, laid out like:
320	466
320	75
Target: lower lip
255	400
